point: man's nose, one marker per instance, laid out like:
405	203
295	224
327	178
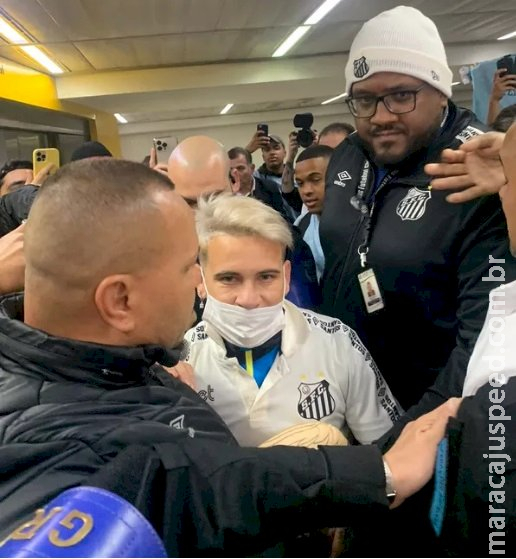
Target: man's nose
247	297
382	115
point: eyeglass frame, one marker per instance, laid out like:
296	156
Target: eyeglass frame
381	98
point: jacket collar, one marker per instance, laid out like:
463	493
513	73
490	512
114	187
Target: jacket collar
37	353
262	170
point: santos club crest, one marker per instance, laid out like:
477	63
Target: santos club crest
360	67
315	400
413	206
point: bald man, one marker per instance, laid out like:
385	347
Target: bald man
111	267
199	166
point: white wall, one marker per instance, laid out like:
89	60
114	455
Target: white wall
136	146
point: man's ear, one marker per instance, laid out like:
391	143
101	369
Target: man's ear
287	268
114	301
201	291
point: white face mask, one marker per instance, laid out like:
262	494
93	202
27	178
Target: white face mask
246	328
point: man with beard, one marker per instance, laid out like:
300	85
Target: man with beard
385	226
111	269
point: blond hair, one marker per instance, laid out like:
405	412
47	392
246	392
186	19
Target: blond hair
240	216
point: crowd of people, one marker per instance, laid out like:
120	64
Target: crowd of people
323	342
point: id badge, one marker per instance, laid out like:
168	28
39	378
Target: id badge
370	291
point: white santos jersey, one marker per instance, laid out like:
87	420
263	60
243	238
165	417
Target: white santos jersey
323	372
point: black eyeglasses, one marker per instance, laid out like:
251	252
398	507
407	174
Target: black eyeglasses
398	103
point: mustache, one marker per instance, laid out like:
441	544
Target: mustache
376	130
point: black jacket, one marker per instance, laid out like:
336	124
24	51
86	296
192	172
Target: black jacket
469	507
476	476
15	206
267	192
429	257
68	408
263	174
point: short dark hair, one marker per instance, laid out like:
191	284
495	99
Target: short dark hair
13	165
315	151
90	149
505	118
87	222
342	127
235	152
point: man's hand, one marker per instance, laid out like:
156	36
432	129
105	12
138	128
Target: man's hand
161	168
153	157
12	261
153	163
293	147
412	458
184	372
42	175
502	83
475	168
258	141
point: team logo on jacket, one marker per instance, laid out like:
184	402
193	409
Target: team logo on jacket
342	176
315	400
413	206
360	67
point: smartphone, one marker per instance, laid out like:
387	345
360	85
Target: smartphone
164	146
506	63
41	157
263	127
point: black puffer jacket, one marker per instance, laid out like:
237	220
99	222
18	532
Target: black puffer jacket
68	408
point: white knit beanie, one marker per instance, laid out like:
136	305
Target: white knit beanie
401	40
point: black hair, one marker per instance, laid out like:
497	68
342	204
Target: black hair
235	152
315	151
505	118
13	165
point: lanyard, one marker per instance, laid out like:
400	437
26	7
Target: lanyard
359	202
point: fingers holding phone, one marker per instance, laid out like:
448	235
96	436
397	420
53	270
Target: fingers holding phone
45	162
503	81
260	138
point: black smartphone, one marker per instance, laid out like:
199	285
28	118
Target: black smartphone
263	127
506	63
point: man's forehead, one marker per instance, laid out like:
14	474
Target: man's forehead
238	160
312	165
17	173
272	145
194	190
